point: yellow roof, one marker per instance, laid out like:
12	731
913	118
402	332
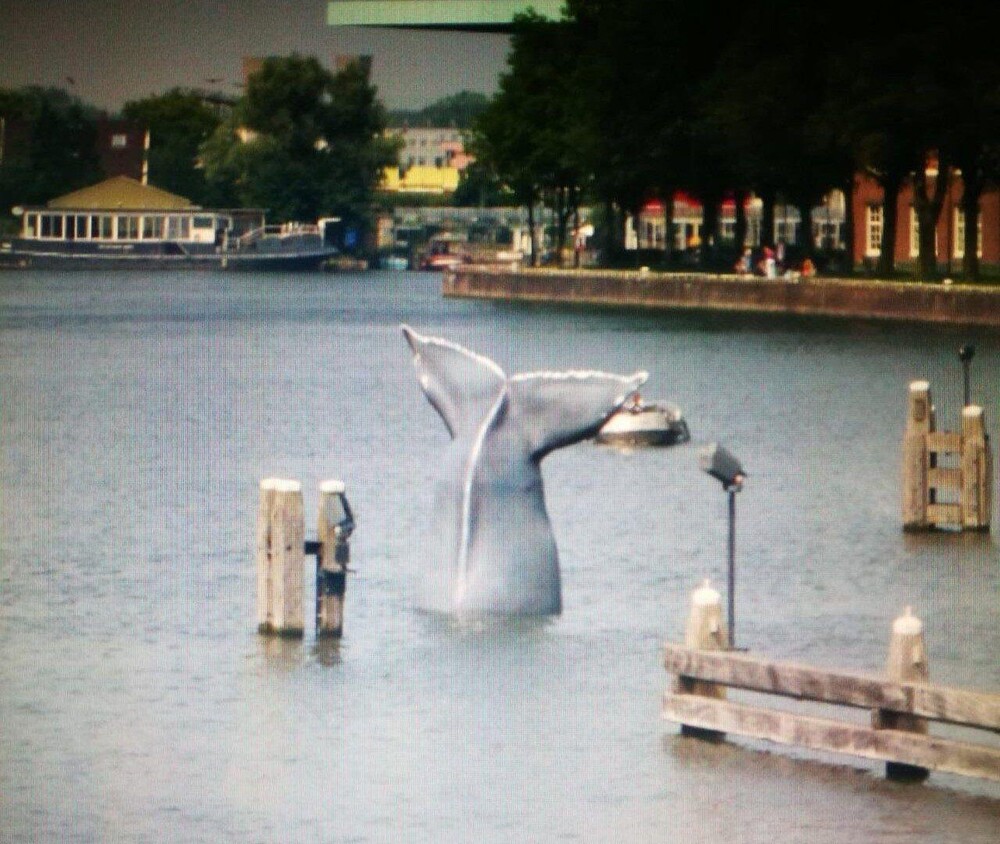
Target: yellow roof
121	192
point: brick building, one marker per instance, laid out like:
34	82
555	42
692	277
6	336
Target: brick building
869	224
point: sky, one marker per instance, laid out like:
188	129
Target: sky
109	51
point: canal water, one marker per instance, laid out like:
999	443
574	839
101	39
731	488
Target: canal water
137	703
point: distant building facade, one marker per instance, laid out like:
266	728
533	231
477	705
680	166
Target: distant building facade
431	161
123	149
870	219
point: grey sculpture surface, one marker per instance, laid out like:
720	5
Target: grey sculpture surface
492	549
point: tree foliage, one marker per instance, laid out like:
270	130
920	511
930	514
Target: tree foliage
302	143
783	99
179	122
59	151
458	110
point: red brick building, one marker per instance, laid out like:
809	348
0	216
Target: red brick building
869	219
123	149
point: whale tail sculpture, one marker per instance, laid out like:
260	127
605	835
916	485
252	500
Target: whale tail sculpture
493	551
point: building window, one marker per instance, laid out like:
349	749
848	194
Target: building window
874	221
82	227
31	225
915	234
119	141
958	249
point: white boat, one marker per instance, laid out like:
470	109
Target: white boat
645	423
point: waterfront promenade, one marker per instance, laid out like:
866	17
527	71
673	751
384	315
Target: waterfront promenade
956	304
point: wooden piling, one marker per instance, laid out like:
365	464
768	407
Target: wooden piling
919	423
907	664
280	558
977	471
331	561
706	632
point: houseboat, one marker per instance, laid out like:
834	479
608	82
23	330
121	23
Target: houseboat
122	223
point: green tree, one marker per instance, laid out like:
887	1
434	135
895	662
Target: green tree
530	136
459	110
179	122
303	143
60	154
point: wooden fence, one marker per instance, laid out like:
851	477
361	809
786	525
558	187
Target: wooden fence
947	477
901	706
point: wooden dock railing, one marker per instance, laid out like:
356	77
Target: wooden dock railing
901	706
936	494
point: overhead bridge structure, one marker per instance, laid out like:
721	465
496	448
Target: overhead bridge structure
449	15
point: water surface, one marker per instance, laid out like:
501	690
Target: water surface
138	413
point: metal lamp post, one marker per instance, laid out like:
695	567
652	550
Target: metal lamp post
965	354
726	468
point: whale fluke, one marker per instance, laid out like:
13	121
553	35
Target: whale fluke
493	549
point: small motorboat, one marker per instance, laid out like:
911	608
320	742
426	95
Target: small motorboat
645	423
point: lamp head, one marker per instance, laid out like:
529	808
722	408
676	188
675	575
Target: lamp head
966	353
723	466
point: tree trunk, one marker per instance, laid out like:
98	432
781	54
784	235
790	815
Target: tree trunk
768	198
668	223
740	198
848	190
927	204
890	213
709	227
532	236
972	190
805	240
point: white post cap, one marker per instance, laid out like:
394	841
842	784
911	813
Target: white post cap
908	624
332	487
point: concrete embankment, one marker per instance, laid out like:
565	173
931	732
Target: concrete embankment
831	297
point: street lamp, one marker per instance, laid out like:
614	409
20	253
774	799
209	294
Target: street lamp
965	354
726	469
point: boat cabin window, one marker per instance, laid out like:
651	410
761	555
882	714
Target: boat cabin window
128	228
52	225
203	222
82	227
178	228
152	228
100	227
31	225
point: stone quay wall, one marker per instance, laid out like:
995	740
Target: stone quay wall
956	304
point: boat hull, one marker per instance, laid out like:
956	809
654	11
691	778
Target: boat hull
139	256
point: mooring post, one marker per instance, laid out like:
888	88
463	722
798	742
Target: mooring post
919	423
977	471
907	663
280	557
705	631
334	527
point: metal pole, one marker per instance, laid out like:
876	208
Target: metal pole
731	575
965	373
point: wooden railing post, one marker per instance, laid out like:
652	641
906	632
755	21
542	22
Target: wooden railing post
977	471
280	558
919	423
705	631
907	663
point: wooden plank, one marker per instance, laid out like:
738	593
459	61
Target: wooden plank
743	671
944	441
822	734
950	479
944	514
